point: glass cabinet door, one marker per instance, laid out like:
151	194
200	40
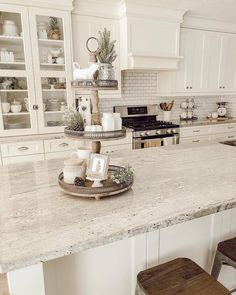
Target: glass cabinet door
16	80
52	66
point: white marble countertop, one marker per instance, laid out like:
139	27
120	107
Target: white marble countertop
172	184
205	122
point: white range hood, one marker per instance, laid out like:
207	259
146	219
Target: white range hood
149	36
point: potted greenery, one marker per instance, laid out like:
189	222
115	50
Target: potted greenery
106	55
53	29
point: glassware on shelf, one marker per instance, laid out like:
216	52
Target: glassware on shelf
42	30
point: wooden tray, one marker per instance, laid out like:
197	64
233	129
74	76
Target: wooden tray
100	135
109	188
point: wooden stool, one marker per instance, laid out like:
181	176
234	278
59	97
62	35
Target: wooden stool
179	276
225	254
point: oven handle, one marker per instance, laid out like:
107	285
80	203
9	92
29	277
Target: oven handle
153	139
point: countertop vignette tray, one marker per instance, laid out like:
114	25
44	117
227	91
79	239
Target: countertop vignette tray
99	135
109	188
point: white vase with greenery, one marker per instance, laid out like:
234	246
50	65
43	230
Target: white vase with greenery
106	55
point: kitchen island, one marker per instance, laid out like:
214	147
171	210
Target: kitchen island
182	204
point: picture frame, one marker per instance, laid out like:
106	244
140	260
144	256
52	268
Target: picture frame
97	168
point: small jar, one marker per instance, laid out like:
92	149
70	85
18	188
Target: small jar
118	121
73	168
108	122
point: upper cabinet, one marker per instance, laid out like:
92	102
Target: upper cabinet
85	27
35	69
52	56
208	65
149	37
17	92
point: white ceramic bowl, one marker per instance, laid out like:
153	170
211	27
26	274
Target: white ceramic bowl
6	107
16	108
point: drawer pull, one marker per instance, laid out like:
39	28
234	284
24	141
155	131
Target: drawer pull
196	131
230	127
22	148
196	141
231	136
63	144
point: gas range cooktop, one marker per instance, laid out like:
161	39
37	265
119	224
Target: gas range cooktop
140	125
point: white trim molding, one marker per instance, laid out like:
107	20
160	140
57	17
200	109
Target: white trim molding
66	5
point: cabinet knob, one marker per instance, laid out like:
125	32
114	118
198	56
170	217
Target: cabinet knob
223	87
191	87
187	87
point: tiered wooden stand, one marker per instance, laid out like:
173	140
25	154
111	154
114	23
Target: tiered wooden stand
109	188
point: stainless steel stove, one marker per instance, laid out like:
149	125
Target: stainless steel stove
147	130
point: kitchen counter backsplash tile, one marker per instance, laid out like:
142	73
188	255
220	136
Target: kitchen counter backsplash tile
141	87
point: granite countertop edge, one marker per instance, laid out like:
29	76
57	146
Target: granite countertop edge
104	240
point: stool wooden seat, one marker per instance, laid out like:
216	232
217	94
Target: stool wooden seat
225	254
179	276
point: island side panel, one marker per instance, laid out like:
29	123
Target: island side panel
112	269
27	281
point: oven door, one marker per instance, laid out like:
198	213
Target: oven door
157	141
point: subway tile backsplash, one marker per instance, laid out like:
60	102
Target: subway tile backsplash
140	87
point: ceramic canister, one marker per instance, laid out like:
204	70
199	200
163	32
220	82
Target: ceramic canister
73	168
108	122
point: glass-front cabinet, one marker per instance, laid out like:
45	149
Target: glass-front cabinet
17	92
52	66
35	69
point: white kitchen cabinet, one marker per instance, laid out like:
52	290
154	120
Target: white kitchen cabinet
39	79
85	27
227	72
195	139
22	148
208	65
52	78
188	77
20	70
217	132
22	159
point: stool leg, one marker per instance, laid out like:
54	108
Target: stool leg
217	265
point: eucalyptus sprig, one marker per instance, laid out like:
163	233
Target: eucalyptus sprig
106	49
123	175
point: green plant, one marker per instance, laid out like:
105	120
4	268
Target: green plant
106	49
53	25
73	120
124	174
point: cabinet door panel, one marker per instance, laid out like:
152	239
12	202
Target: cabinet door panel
227	78
211	61
189	76
85	27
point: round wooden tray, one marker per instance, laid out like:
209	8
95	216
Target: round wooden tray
100	135
109	188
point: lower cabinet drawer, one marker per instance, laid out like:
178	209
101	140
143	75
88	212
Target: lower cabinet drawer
58	155
223	137
194	131
126	140
22	148
195	139
59	145
22	159
116	148
223	128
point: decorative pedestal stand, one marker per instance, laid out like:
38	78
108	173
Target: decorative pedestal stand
95	137
109	188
